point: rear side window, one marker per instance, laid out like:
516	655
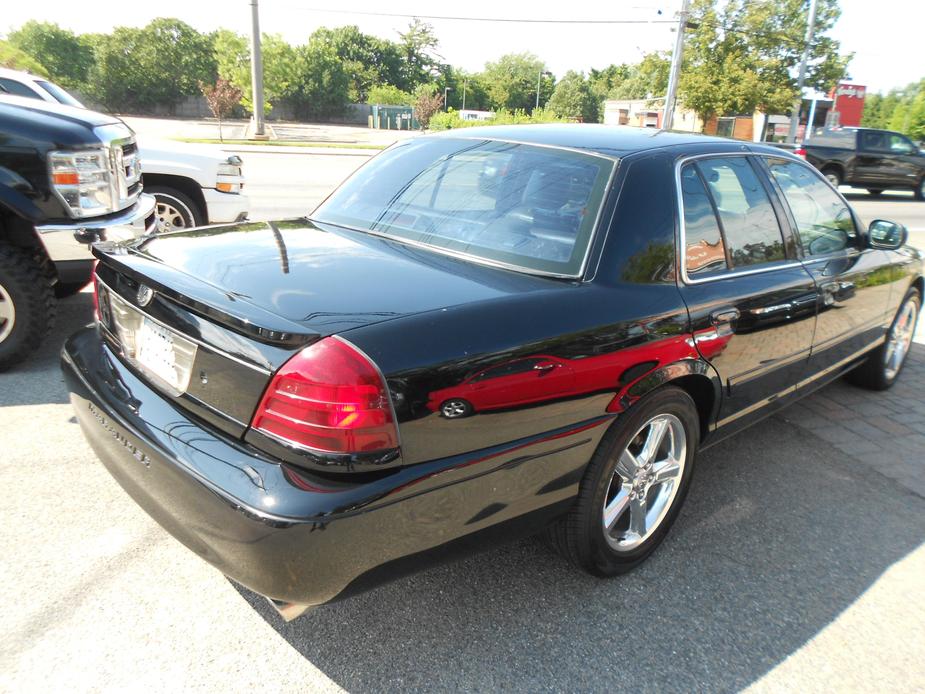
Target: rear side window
843	139
823	220
729	222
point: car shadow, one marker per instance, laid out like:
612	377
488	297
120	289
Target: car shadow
28	383
779	535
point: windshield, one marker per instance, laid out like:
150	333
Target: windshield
528	207
59	93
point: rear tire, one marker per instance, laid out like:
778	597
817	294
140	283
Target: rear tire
175	210
601	534
27	305
883	366
833	176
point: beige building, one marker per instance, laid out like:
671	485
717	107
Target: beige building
647	113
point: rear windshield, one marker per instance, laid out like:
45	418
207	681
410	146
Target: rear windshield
531	208
842	139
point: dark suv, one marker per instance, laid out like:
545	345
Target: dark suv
68	177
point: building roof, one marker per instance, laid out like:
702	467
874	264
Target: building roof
613	140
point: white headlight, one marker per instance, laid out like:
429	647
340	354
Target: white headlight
83	181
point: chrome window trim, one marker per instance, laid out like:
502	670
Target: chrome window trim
595	229
682	232
200	343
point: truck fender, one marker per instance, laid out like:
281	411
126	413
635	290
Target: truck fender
14	195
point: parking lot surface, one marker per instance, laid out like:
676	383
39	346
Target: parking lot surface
797	563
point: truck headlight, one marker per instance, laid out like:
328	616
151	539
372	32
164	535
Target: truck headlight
83	181
230	168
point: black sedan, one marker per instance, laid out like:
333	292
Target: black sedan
488	333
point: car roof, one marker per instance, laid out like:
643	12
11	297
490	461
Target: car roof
19	75
609	140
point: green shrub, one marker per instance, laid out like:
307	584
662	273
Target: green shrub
450	119
387	95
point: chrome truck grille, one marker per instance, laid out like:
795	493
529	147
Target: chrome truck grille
124	163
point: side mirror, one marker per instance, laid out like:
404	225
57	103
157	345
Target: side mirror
886	235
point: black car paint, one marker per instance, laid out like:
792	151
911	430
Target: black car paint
303	530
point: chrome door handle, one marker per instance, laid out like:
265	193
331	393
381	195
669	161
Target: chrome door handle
544	367
724	316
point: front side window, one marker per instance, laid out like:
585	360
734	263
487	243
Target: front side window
899	144
60	94
533	208
823	219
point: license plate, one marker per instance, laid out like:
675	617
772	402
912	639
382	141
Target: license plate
165	354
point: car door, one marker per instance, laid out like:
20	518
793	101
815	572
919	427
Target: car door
520	381
744	287
902	165
869	161
852	280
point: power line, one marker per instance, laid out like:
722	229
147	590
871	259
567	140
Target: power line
509	20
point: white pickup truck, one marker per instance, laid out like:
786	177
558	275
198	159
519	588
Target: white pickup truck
193	184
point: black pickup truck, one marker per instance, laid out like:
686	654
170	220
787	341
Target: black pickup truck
866	158
68	178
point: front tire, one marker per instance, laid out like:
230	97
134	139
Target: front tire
633	487
920	190
27	306
883	366
456	408
175	210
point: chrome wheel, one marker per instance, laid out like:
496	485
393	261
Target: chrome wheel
7	314
453	409
645	482
899	339
832	178
169	218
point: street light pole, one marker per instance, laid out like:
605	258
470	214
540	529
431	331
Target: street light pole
257	72
675	75
801	79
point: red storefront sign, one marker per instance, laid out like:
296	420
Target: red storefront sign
849	103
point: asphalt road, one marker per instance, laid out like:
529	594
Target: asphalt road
795	565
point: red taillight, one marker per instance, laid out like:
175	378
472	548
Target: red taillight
800	152
329	398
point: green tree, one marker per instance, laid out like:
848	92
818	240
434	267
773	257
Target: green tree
511	82
65	56
647	79
420	59
321	86
281	64
573	99
387	95
368	60
15	59
742	55
154	66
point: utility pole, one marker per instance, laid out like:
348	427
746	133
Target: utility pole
539	78
465	84
446	106
675	75
257	73
801	79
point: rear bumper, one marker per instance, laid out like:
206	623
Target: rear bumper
225	207
71	241
298	538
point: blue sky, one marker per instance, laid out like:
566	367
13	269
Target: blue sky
885	35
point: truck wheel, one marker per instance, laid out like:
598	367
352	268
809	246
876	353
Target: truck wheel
27	306
175	210
920	190
833	176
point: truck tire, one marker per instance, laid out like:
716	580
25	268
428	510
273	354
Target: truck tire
920	190
175	210
833	176
27	305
